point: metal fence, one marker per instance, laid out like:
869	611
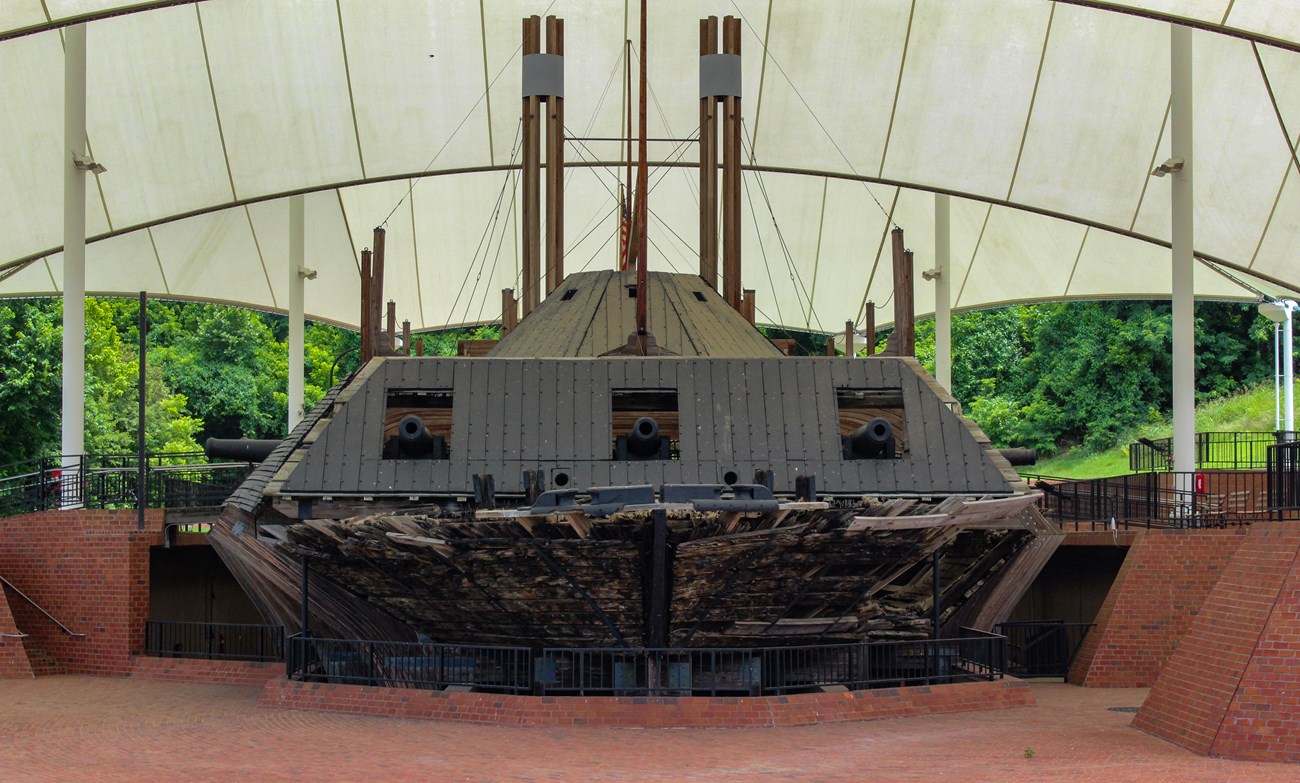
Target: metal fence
975	655
1165	500
214	641
176	481
411	664
1042	648
1214	451
769	671
1284	477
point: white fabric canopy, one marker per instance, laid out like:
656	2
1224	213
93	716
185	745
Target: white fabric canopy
1042	119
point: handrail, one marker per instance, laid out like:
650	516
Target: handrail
39	608
19	635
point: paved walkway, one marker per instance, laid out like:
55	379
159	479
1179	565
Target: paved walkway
78	728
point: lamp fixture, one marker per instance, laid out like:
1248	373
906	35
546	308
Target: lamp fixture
1168	167
86	163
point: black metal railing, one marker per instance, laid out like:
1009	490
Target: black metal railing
769	671
1164	500
1042	648
975	655
410	664
1214	451
177	480
1284	478
214	641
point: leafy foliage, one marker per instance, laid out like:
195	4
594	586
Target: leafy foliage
1084	373
1048	376
30	368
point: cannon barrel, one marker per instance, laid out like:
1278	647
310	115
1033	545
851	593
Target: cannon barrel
1019	457
873	440
239	449
413	438
643	438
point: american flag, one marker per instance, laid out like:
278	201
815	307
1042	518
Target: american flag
624	231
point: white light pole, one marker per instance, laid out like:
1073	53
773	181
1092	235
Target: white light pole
1282	311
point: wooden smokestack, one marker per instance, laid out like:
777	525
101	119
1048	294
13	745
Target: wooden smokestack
509	311
367	347
870	328
532	171
708	161
903	341
543	82
731	174
554	165
376	289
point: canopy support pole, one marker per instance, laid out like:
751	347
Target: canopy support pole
942	292
1184	307
74	261
297	282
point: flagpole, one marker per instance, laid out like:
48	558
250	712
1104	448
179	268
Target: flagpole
642	294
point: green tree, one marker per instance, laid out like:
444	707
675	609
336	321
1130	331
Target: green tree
112	389
30	368
228	364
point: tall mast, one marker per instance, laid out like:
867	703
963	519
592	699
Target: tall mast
642	326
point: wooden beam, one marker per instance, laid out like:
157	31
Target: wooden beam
660	583
848	339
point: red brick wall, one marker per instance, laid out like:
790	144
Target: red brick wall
209	672
657	712
13	656
1233	687
1158	593
90	570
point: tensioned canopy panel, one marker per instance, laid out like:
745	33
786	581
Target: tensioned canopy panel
1042	119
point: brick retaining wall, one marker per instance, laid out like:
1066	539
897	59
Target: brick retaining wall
89	569
1233	687
13	655
205	671
1156	596
653	712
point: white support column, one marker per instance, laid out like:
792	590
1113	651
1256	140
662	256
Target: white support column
1184	307
74	260
942	292
1288	368
297	278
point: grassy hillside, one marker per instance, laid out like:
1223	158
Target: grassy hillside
1250	411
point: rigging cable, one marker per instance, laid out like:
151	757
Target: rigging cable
768	53
487	232
415	181
791	268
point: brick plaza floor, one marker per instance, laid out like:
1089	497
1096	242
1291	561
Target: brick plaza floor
91	729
